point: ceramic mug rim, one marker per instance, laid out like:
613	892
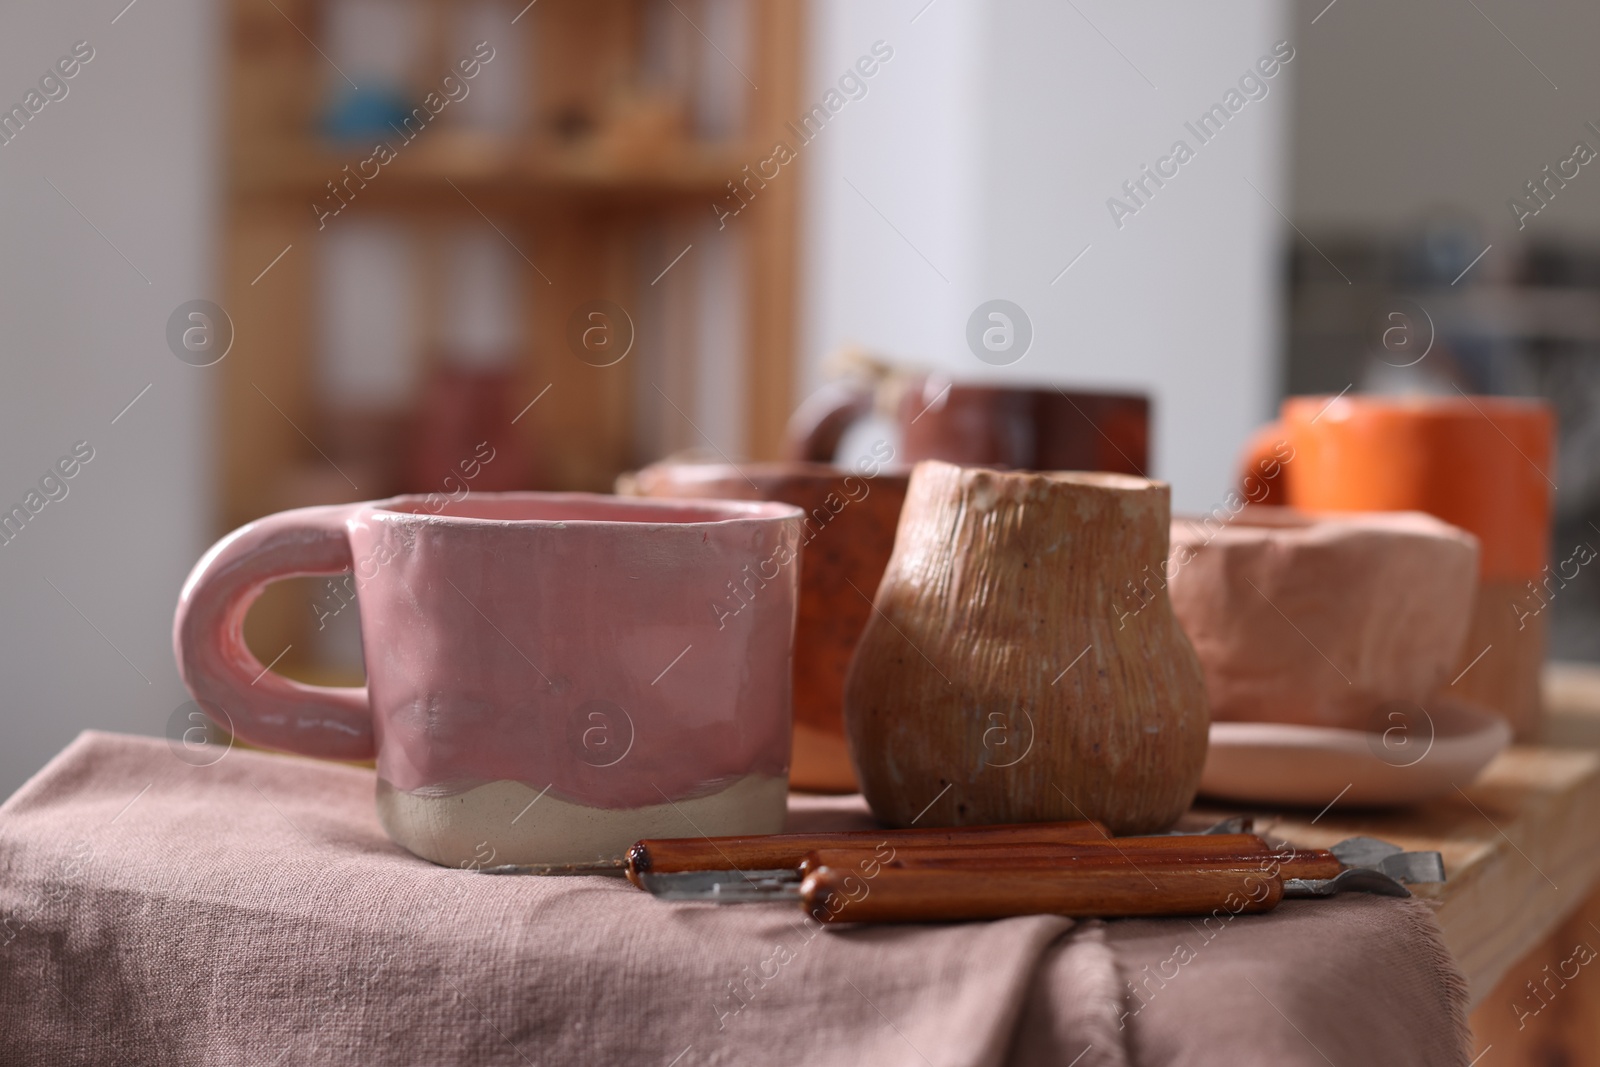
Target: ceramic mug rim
691	473
940	381
1283	524
610	511
1115	481
1432	406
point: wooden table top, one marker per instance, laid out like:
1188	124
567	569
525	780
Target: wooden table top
1521	845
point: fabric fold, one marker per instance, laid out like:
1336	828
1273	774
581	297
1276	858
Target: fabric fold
253	912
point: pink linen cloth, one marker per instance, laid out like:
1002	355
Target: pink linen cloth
253	912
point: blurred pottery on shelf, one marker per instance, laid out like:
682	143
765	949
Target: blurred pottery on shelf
367	443
1479	462
1022	428
994	682
1424	751
846	537
641	127
463	439
1319	619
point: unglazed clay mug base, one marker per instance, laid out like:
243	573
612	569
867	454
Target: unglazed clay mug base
1481	463
1023	428
847	533
549	677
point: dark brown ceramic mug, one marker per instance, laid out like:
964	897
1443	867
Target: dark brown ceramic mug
846	537
1026	428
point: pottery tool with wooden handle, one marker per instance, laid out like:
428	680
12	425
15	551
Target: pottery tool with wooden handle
1107	886
1028	846
1160	874
1288	861
1113	889
707	861
775	855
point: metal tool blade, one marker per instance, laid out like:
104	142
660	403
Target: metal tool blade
1415	868
614	867
1353	880
1364	851
1392	860
723	887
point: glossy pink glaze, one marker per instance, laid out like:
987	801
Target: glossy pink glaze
591	644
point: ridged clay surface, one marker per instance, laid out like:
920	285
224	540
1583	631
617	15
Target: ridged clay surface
995	681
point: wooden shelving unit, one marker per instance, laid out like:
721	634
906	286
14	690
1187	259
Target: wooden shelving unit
596	188
491	166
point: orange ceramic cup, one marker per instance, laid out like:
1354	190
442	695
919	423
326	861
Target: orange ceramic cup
1482	463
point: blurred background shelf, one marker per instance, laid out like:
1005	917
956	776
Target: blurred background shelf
396	316
493	166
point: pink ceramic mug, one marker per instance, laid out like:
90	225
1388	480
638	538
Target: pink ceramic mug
550	677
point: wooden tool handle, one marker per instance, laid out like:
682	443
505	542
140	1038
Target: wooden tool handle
1288	861
934	894
1241	850
986	857
667	855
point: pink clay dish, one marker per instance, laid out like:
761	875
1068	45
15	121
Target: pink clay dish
1321	618
1327	641
1422	753
549	676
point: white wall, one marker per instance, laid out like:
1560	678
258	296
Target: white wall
1411	108
991	142
83	333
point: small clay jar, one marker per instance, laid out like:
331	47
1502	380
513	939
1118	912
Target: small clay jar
995	681
1320	619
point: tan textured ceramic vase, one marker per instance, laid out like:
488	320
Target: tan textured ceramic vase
996	682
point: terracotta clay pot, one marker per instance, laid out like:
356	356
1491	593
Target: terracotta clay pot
1320	619
995	683
846	537
1480	462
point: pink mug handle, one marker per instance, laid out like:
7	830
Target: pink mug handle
221	672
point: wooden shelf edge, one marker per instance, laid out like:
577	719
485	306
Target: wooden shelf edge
303	168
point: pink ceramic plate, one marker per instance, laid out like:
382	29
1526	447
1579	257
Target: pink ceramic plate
1421	754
